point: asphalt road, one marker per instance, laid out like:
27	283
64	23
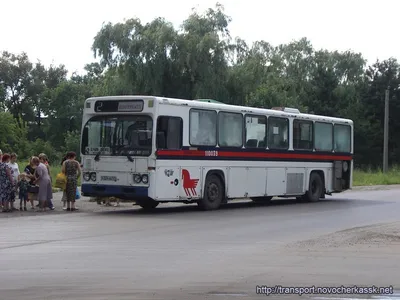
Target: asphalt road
178	252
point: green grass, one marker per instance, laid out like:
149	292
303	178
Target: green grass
376	177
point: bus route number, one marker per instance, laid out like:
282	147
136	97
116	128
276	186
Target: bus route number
211	153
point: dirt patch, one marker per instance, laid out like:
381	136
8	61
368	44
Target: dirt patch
374	235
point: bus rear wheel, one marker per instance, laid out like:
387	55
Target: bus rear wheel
315	188
213	193
148	204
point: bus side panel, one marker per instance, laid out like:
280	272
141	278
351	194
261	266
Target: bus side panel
190	183
295	179
166	183
246	182
276	178
237	182
329	180
256	182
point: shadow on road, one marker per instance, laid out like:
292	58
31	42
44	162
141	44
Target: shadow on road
246	205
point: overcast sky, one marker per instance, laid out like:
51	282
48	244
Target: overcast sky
62	32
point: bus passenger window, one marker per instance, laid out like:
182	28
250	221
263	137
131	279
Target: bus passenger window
169	132
323	136
203	127
230	133
302	135
256	129
278	133
342	138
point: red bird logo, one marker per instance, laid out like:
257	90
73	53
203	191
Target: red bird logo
189	185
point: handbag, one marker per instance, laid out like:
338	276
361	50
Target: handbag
78	194
33	189
61	181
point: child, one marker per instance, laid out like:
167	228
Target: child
23	186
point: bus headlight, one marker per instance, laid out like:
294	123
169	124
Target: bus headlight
86	176
345	166
137	178
145	178
93	176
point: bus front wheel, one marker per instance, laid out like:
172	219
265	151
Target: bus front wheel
213	193
148	204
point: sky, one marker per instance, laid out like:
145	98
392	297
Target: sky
62	32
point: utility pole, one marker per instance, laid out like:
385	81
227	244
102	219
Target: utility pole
386	133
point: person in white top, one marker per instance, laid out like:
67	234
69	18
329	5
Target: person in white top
14	166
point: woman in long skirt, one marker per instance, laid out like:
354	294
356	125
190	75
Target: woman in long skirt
43	179
72	170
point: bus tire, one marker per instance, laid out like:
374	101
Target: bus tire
213	193
315	188
262	199
148	204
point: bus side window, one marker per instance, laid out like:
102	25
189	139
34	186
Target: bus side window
302	135
323	136
169	132
342	138
203	127
278	133
230	133
256	129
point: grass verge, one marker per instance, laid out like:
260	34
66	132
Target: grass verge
376	177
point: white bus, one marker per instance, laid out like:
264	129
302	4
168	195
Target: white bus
154	149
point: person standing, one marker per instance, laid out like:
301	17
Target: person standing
43	180
15	169
6	183
30	171
72	170
64	196
44	160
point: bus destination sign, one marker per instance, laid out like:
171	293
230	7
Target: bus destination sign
119	106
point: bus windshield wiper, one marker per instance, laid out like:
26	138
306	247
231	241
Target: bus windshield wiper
97	157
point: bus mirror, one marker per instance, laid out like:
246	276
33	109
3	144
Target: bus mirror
161	143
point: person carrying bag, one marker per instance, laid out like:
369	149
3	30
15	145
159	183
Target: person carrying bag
61	181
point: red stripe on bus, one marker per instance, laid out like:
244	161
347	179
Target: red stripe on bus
202	153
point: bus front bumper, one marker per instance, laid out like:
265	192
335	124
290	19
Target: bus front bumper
122	192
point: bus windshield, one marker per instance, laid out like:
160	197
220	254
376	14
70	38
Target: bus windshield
118	135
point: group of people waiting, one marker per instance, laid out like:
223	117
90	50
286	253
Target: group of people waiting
35	183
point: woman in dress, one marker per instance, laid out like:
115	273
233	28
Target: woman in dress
72	170
44	160
6	183
44	181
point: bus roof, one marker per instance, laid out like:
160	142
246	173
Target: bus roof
213	104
